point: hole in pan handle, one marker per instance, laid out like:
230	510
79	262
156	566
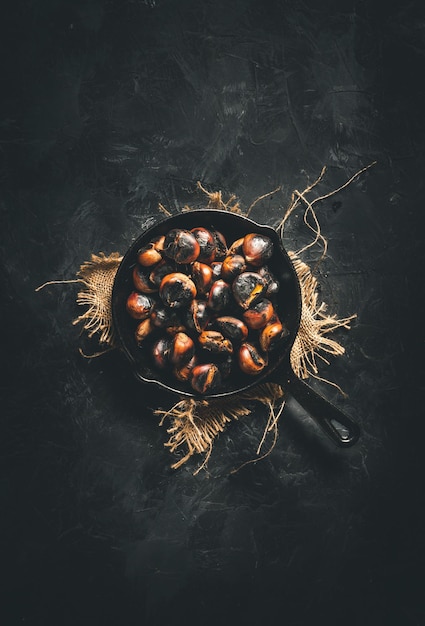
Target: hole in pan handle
341	428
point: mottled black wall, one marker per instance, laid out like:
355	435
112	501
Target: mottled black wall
108	108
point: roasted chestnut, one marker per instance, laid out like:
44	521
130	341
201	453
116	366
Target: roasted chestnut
232	327
143	329
202	276
161	352
139	305
184	372
232	266
271	335
247	288
257	249
182	349
220	244
181	246
272	285
250	360
141	280
177	290
149	255
197	315
206	244
205	377
215	342
219	295
259	314
216	269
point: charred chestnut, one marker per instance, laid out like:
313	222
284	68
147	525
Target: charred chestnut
232	327
271	335
205	377
177	290
197	316
247	288
232	266
184	372
220	244
141	280
139	305
257	249
206	244
143	329
219	295
161	352
216	269
181	246
250	360
215	342
259	314
272	285
202	276
149	255
182	349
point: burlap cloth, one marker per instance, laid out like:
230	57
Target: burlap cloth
193	425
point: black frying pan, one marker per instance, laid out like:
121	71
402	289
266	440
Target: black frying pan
337	425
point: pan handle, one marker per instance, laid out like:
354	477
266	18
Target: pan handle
341	428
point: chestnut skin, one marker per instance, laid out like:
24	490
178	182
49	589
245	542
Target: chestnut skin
247	288
258	314
143	329
257	249
181	246
219	295
202	276
215	342
177	290
232	327
250	360
232	266
206	244
141	280
139	305
182	349
205	377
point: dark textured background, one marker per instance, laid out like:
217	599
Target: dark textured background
108	108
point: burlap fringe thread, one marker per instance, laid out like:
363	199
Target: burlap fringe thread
196	424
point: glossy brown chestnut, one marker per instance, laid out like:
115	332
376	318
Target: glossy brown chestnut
161	352
139	305
215	342
250	360
271	336
177	290
197	316
232	327
181	246
219	295
206	244
182	349
216	269
141	280
257	249
232	266
143	329
259	314
205	378
202	276
151	253
247	288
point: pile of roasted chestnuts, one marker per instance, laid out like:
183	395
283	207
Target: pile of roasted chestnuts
203	309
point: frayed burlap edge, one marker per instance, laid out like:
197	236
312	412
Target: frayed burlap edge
196	424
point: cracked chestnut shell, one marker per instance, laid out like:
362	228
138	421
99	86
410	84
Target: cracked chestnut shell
202	276
197	316
205	377
161	352
177	290
259	314
181	246
141	280
247	288
271	335
250	360
232	327
232	266
220	245
215	342
151	253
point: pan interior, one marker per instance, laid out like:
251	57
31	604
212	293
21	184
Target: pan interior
233	226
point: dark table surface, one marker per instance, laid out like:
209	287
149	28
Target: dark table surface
109	108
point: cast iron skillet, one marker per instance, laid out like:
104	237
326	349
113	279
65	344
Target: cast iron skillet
342	430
